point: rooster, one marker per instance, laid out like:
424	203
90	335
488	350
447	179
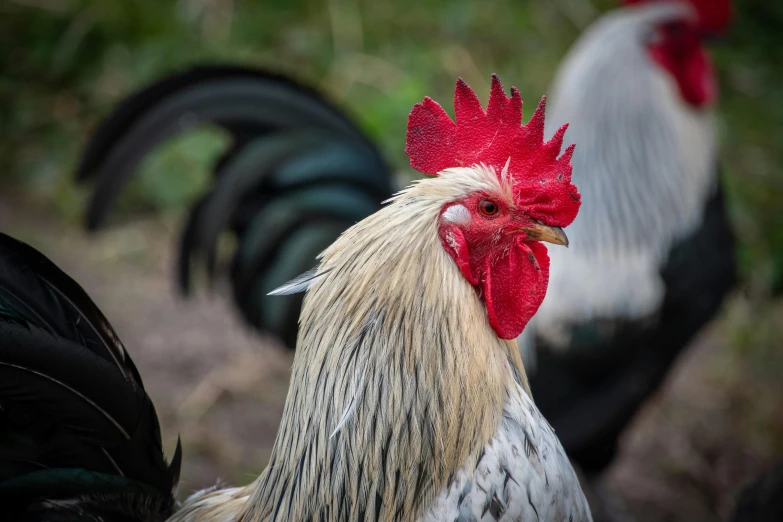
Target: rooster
652	253
408	397
297	174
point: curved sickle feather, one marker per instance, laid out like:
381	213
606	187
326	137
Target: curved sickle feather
291	149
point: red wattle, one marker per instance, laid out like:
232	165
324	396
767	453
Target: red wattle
699	79
681	52
514	287
692	70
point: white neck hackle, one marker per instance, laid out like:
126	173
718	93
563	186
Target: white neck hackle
645	166
398	379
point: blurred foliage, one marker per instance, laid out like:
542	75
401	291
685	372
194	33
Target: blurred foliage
750	65
67	62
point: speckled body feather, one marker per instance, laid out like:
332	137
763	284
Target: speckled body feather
404	404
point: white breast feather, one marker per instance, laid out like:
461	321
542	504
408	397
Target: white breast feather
523	475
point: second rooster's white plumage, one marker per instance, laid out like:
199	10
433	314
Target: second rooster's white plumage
652	251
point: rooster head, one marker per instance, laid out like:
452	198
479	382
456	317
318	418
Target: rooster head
675	43
517	193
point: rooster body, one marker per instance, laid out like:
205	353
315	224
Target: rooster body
652	250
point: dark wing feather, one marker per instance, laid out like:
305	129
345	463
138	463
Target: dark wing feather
56	303
74	416
297	174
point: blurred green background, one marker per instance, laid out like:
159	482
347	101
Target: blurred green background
65	63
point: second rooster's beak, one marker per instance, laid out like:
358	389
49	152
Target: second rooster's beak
539	232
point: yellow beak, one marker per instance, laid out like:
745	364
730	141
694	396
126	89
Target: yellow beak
539	232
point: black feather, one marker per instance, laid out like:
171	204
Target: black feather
242	190
74	417
133	109
254	279
243	101
297	174
56	304
762	499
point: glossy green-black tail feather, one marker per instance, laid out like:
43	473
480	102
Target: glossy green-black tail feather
297	174
79	437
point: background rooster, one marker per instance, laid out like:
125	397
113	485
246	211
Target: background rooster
298	172
652	253
408	398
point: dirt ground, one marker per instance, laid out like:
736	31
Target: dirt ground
717	422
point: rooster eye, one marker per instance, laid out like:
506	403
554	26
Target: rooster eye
488	208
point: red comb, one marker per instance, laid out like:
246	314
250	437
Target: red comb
495	137
714	15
